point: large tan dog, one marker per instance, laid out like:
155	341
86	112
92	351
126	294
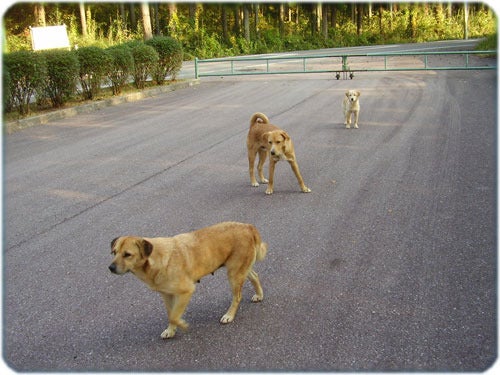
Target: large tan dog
264	138
350	106
172	266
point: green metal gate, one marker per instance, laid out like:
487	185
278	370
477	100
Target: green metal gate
345	64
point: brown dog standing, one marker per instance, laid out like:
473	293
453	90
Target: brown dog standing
173	265
264	138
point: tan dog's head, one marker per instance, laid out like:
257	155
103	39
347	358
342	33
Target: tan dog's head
130	254
352	95
277	143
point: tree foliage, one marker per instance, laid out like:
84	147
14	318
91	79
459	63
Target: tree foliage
111	44
227	28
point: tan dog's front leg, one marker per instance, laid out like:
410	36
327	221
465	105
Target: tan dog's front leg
356	115
347	122
270	187
295	169
176	305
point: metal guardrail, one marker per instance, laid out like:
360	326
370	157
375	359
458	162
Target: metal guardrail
346	64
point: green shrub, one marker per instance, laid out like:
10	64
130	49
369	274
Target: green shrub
170	57
62	70
122	66
145	60
94	67
28	73
7	96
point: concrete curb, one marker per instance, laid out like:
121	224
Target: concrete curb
13	126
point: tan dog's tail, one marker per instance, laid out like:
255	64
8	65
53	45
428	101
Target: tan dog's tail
261	251
259	117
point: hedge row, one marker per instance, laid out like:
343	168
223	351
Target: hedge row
59	75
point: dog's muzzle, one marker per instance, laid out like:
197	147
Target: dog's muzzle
112	267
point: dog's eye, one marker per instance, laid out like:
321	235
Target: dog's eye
126	255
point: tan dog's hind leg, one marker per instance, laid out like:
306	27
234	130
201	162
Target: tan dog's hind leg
259	293
251	163
295	168
260	166
175	304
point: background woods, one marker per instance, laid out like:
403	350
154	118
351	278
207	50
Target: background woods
116	44
221	29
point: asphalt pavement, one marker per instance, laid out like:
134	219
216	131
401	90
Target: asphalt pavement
389	264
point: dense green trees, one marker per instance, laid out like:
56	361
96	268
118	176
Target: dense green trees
227	28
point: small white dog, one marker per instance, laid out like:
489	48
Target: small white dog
350	105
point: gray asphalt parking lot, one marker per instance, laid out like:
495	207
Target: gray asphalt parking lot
389	264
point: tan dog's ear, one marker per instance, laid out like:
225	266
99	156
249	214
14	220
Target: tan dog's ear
358	93
347	93
145	247
113	242
285	135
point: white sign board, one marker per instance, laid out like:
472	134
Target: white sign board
48	37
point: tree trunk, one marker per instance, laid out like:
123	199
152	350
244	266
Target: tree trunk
246	22
324	21
157	18
123	16
381	19
391	13
225	34
173	19
281	20
334	16
256	19
319	17
133	22
146	21
412	22
195	12
40	14
237	20
83	19
359	18
466	21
